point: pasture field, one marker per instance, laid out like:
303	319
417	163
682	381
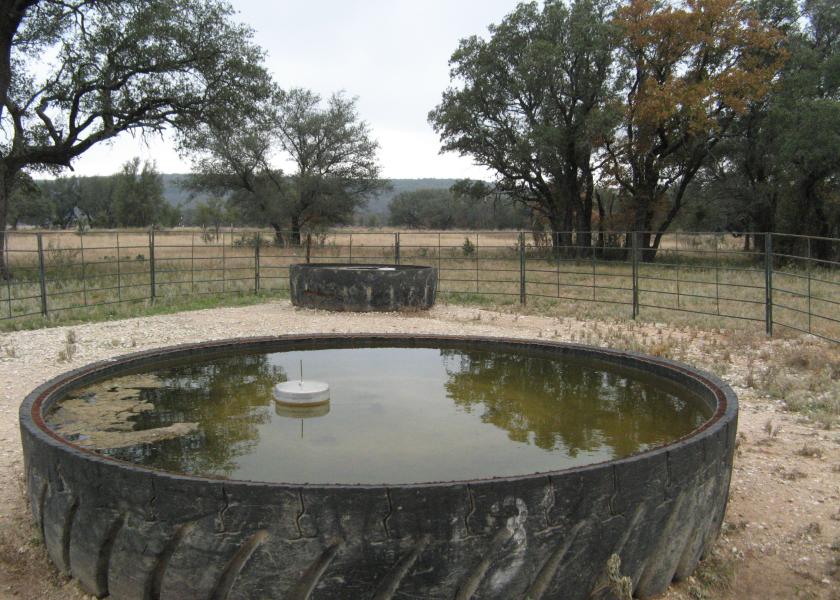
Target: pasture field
705	279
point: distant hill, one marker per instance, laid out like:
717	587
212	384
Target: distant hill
176	195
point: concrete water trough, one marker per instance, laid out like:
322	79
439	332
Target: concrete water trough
136	532
363	287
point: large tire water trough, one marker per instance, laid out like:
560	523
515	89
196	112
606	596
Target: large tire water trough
137	533
363	288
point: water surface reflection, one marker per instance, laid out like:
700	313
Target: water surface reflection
401	415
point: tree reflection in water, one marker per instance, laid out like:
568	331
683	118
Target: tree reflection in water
563	404
229	398
404	415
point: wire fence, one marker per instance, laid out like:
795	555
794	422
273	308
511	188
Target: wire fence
782	281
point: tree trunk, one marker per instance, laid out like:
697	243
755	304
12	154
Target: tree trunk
6	180
643	223
278	235
295	232
5	273
566	231
820	249
585	217
759	242
649	244
554	225
602	216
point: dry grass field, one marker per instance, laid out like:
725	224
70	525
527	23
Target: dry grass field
702	279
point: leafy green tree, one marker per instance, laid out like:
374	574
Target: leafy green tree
333	158
443	209
97	201
64	195
133	65
427	209
29	205
138	197
535	100
212	213
777	169
807	110
133	197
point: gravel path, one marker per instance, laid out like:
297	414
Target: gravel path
783	526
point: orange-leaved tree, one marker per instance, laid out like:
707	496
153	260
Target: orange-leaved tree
688	69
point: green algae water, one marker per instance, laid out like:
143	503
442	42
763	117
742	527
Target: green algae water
396	415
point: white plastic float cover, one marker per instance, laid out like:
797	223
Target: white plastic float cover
302	393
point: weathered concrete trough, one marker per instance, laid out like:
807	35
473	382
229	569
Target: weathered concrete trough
363	288
137	533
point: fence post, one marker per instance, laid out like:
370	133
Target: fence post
308	247
768	282
438	257
592	252
152	290
477	265
257	244
192	263
84	270
8	274
397	248
522	287
809	285
42	279
119	270
634	257
224	259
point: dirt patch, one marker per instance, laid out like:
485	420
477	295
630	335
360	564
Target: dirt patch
781	538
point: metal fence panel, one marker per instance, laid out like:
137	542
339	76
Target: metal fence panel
781	280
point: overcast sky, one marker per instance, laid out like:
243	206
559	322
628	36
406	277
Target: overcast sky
391	54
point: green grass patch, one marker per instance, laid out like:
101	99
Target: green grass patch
140	308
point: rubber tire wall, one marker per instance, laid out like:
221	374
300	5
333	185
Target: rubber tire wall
135	533
340	287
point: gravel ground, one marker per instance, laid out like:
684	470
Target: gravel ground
782	532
